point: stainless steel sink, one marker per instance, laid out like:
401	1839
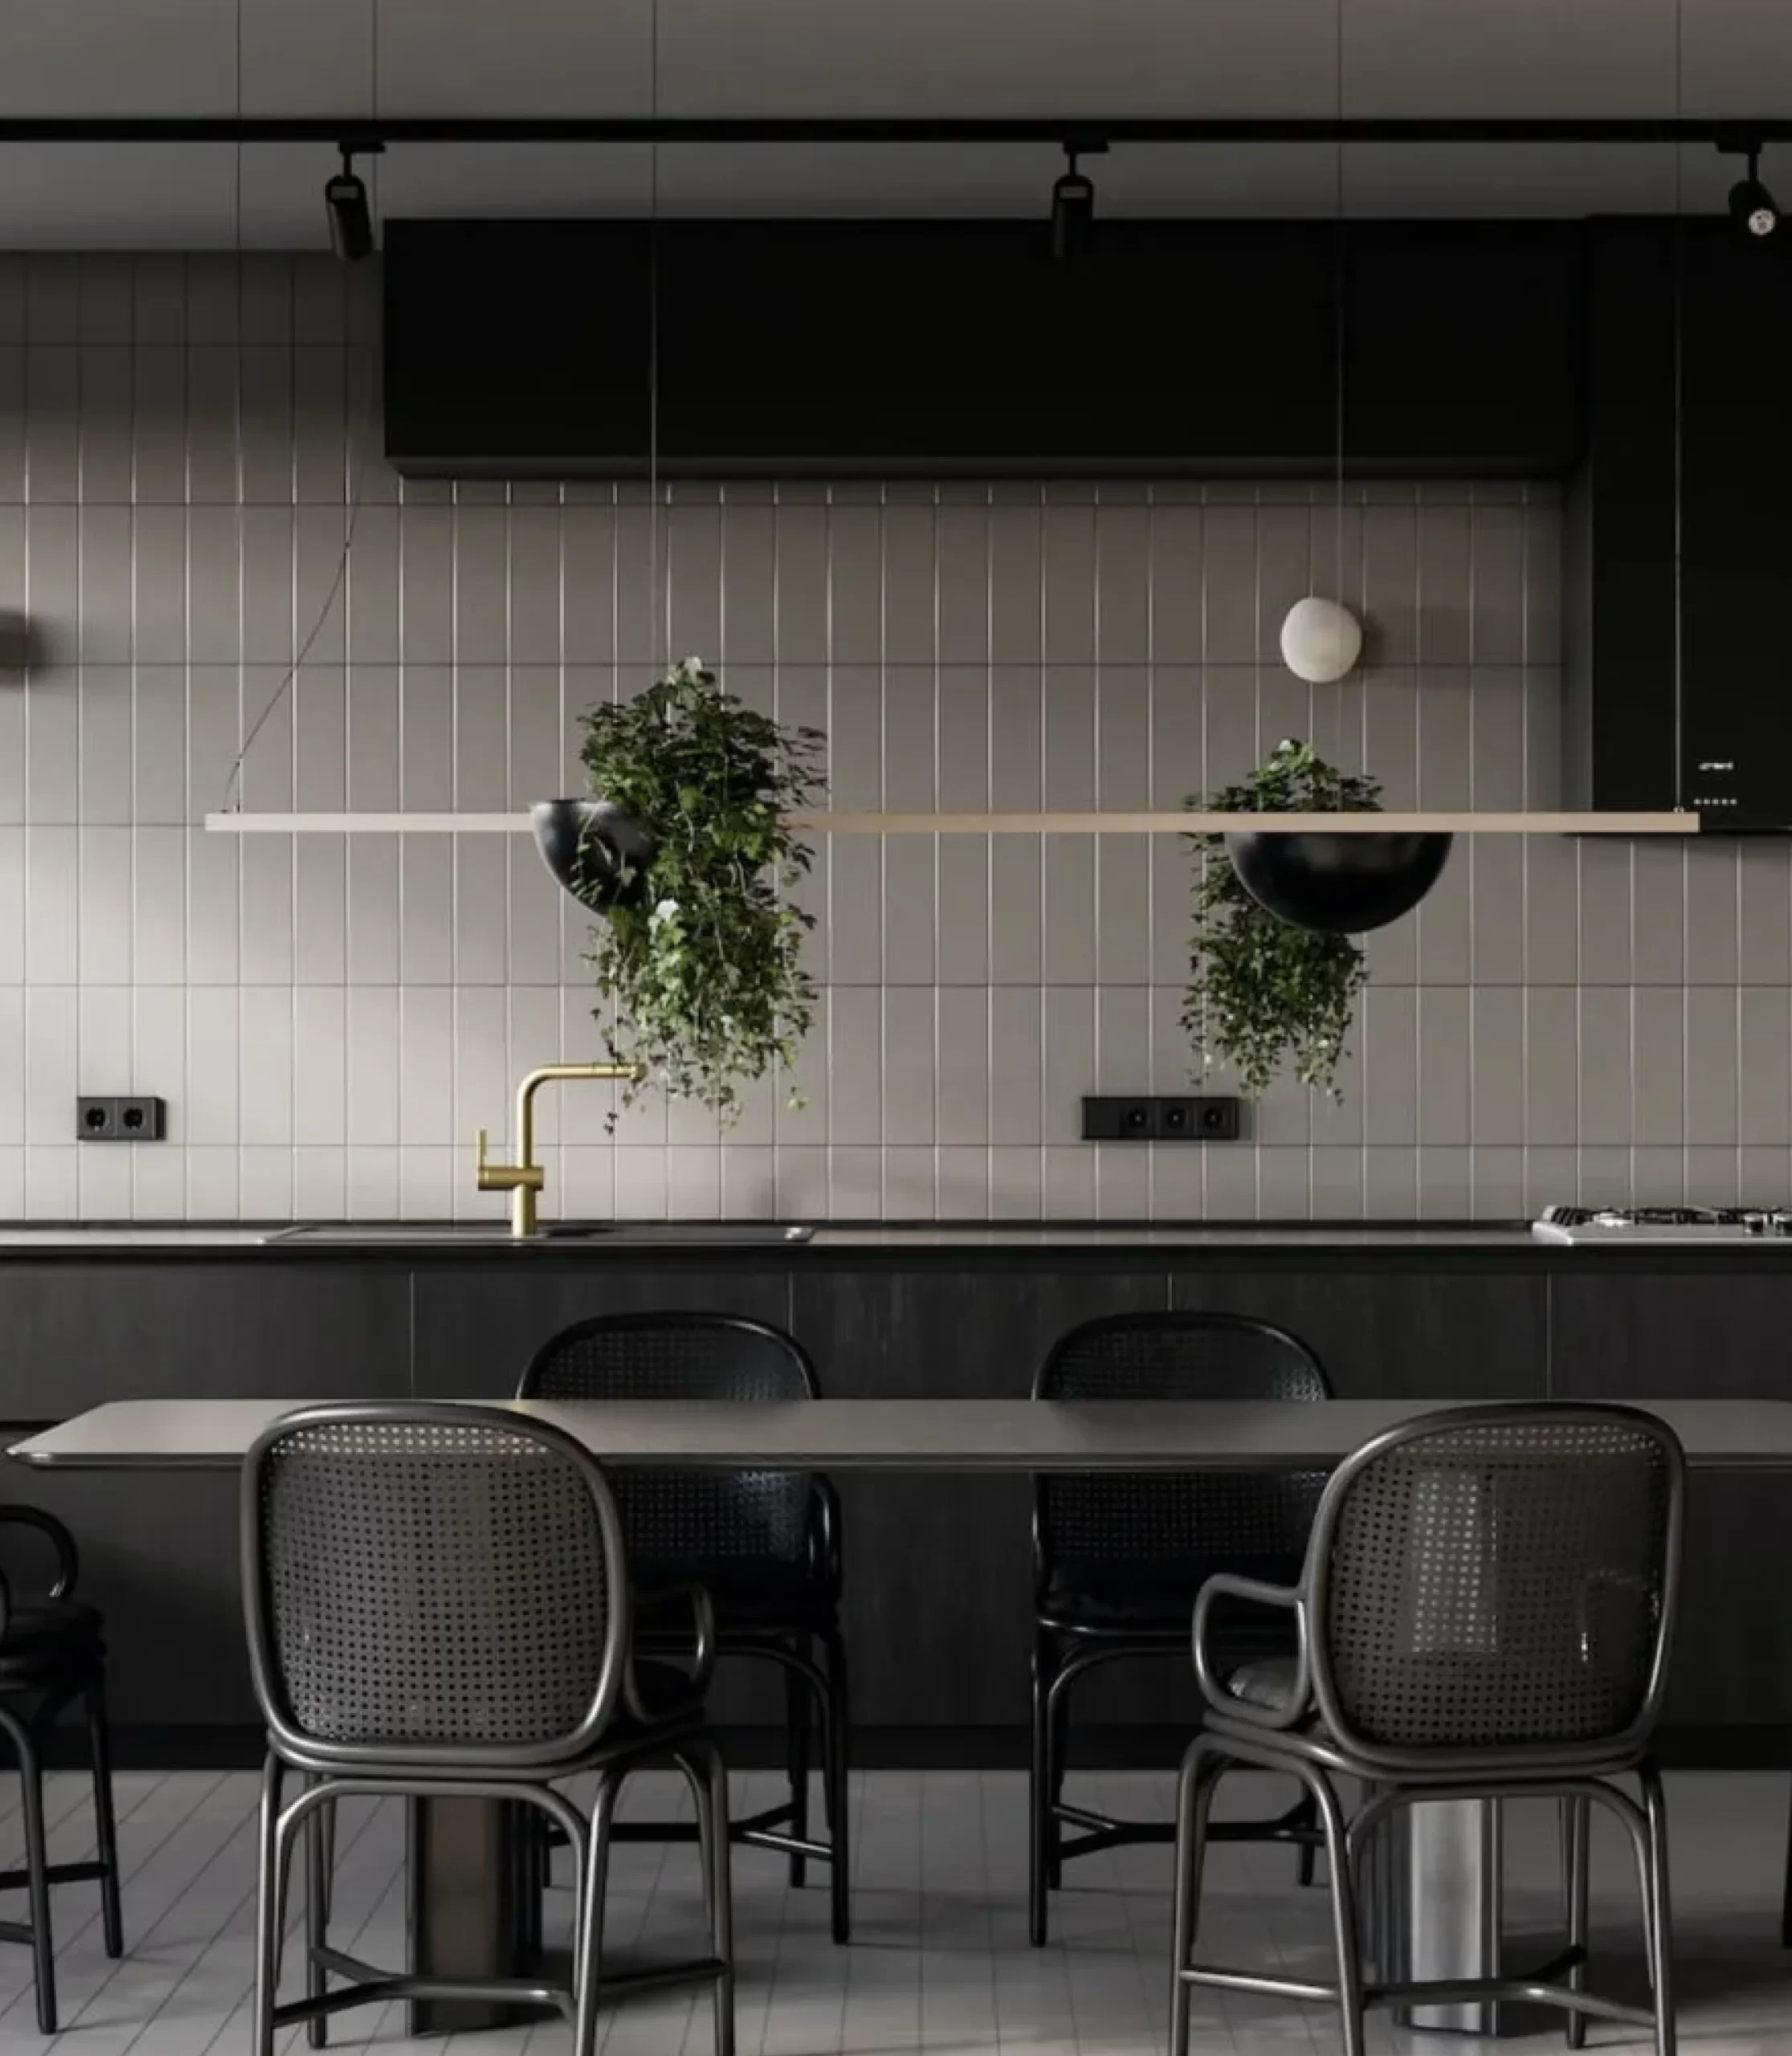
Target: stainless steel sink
630	1234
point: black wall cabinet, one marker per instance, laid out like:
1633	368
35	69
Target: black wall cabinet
948	348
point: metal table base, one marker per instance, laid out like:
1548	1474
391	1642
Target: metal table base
1434	1893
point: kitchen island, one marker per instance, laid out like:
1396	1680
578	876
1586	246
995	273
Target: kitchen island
1394	1311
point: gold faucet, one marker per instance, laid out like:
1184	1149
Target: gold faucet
525	1178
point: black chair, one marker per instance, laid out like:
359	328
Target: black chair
52	1653
1118	1560
1485	1613
438	1605
765	1545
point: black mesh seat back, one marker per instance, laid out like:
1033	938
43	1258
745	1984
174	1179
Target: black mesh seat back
674	1519
425	1584
1498	1586
1199	1521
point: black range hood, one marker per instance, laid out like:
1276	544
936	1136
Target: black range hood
1679	528
958	348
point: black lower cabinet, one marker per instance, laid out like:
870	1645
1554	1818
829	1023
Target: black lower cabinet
939	1576
1621	1336
158	1557
938	1605
1444	1335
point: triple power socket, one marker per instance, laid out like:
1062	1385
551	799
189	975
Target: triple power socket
1143	1117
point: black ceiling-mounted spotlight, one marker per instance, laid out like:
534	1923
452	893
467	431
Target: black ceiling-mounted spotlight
1753	208
351	218
1073	203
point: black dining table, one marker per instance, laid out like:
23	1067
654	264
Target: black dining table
1438	1907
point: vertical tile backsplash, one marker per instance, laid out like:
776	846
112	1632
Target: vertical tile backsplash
187	449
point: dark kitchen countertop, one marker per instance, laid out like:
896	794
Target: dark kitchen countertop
1274	1245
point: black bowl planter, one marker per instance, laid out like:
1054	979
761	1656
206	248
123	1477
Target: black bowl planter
1338	884
597	852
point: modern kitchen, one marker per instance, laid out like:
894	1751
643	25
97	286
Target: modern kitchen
895	1028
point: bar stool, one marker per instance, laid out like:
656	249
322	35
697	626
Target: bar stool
765	1545
1118	1560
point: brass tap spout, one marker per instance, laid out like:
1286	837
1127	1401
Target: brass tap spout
525	1178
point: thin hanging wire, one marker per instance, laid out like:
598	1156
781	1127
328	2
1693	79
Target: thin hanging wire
233	795
659	604
1338	287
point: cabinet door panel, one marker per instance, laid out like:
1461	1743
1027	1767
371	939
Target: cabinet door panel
1439	1335
1624	1336
74	1336
939	1581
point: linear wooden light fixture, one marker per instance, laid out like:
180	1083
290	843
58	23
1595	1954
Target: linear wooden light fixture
852	822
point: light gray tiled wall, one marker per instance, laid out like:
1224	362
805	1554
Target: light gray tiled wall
185	447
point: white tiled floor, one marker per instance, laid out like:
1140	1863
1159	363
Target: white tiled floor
940	1962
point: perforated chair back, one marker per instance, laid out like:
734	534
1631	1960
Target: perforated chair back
429	1583
1196	1522
682	1517
1498	1580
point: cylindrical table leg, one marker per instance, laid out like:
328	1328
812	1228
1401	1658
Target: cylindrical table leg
1437	1906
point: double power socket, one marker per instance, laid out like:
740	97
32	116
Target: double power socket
128	1119
1143	1117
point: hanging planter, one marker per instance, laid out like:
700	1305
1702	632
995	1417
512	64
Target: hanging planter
685	850
1338	884
1274	971
595	850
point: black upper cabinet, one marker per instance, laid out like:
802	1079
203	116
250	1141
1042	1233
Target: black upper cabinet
942	349
1464	348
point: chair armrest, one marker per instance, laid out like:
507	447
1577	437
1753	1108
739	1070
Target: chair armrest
1292	1599
824	1535
694	1598
69	1563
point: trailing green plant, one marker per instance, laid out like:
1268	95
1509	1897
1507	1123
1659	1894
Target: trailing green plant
1263	994
702	955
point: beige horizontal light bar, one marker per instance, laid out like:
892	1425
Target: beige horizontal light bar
847	821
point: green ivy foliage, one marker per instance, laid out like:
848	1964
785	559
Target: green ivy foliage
704	964
1263	994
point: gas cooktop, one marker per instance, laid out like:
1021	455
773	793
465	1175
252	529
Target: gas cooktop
1655	1225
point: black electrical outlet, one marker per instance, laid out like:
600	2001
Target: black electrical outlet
1216	1119
1118	1121
132	1119
95	1120
1148	1119
141	1119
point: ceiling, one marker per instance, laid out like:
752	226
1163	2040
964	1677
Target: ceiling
1564	58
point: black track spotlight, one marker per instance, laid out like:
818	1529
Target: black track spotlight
351	218
1753	208
1073	204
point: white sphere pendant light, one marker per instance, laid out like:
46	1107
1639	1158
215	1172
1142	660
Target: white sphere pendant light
1321	640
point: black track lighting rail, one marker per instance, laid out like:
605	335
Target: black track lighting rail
361	135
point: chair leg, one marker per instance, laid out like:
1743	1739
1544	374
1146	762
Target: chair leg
1041	1826
1057	1718
1786	1898
796	1758
702	1762
837	1731
588	1923
1304	1868
37	1865
1346	1933
1202	1770
1576	1837
319	1856
105	1821
269	1893
1659	1919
